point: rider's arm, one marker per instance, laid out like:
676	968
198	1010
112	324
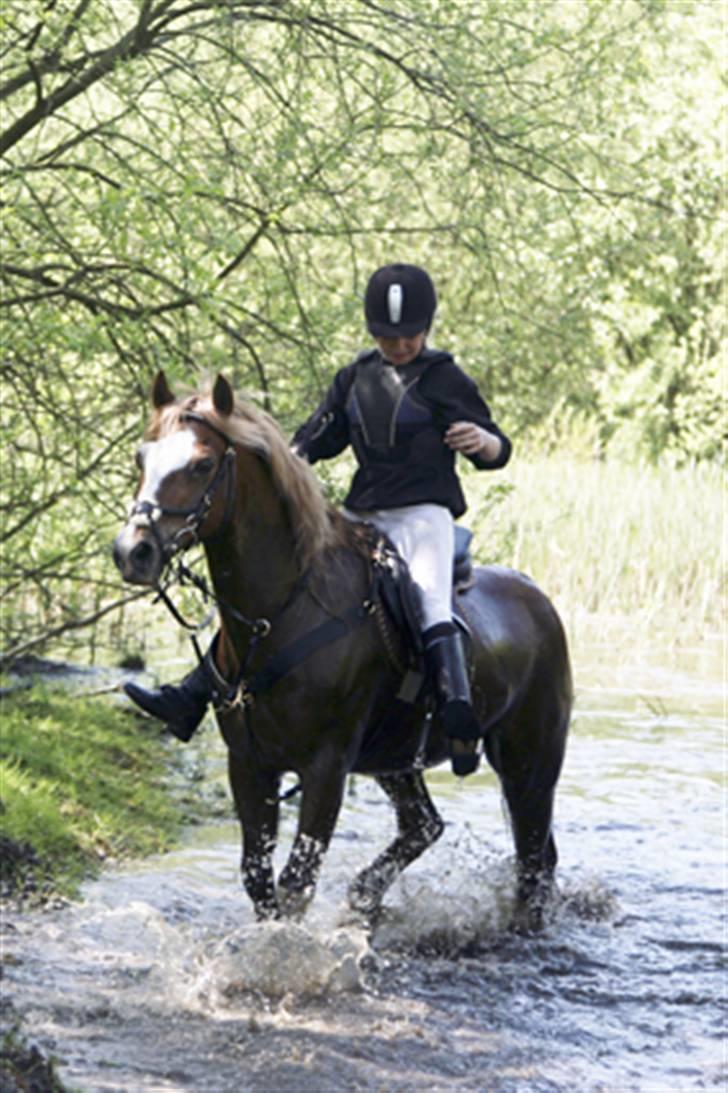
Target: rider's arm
464	417
326	432
475	441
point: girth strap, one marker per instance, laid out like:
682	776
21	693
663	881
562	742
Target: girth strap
243	691
303	647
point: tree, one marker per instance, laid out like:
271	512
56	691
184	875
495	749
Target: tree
205	184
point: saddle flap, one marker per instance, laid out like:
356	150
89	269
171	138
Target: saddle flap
399	593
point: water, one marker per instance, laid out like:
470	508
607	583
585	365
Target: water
161	980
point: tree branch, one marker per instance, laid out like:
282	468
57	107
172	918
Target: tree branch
10	655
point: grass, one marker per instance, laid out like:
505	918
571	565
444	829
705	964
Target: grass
80	783
611	542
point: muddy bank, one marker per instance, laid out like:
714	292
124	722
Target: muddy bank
24	1069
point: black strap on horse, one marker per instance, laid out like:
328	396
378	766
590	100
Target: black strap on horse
243	690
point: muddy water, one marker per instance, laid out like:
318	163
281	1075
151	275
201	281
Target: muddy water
161	980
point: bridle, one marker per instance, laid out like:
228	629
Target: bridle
149	513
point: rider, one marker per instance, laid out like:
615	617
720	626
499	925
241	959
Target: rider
406	410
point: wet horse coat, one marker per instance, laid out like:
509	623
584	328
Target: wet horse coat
283	563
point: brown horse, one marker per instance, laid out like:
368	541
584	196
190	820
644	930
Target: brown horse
298	613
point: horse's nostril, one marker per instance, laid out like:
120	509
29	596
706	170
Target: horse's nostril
142	556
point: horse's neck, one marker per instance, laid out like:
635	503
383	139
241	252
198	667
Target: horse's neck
253	564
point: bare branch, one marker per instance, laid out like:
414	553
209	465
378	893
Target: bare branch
70	625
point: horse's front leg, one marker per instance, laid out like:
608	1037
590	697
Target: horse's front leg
255	793
323	790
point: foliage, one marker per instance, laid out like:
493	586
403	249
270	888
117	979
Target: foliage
207	186
79	783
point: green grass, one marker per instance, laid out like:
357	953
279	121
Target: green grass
615	542
80	782
611	542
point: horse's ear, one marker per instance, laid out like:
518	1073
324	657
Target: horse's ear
223	398
161	393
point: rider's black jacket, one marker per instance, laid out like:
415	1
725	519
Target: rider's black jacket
395	419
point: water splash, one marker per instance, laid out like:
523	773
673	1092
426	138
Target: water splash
465	898
283	958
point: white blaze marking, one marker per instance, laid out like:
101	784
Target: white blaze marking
163	457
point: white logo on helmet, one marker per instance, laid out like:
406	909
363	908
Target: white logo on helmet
395	299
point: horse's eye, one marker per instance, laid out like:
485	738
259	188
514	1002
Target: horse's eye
202	467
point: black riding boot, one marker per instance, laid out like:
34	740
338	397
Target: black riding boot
445	661
181	705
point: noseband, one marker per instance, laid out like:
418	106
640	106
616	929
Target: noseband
148	514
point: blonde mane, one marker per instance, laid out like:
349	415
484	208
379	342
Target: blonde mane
316	524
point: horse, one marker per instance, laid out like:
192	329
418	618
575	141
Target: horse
309	666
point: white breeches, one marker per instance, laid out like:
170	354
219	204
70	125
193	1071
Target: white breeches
424	536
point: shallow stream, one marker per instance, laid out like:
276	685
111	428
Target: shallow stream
161	980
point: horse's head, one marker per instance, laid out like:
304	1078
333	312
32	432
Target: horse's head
187	466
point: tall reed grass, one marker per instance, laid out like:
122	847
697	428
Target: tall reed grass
617	545
623	544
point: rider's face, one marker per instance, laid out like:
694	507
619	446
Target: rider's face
400	351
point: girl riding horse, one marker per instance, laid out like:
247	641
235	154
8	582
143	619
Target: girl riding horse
406	410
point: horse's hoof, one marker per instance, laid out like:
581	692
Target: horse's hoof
366	920
293	902
530	916
527	921
364	900
267	912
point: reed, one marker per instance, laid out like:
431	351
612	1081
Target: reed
610	541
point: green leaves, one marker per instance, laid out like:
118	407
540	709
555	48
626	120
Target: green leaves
206	188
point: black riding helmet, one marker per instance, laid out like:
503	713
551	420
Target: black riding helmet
400	301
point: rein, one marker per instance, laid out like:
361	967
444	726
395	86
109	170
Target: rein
244	688
242	691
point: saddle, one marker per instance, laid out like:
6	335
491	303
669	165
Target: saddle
393	598
395	603
401	628
400	597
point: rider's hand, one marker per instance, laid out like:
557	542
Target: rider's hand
471	439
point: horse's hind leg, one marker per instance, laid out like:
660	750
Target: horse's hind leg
419	825
531	811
